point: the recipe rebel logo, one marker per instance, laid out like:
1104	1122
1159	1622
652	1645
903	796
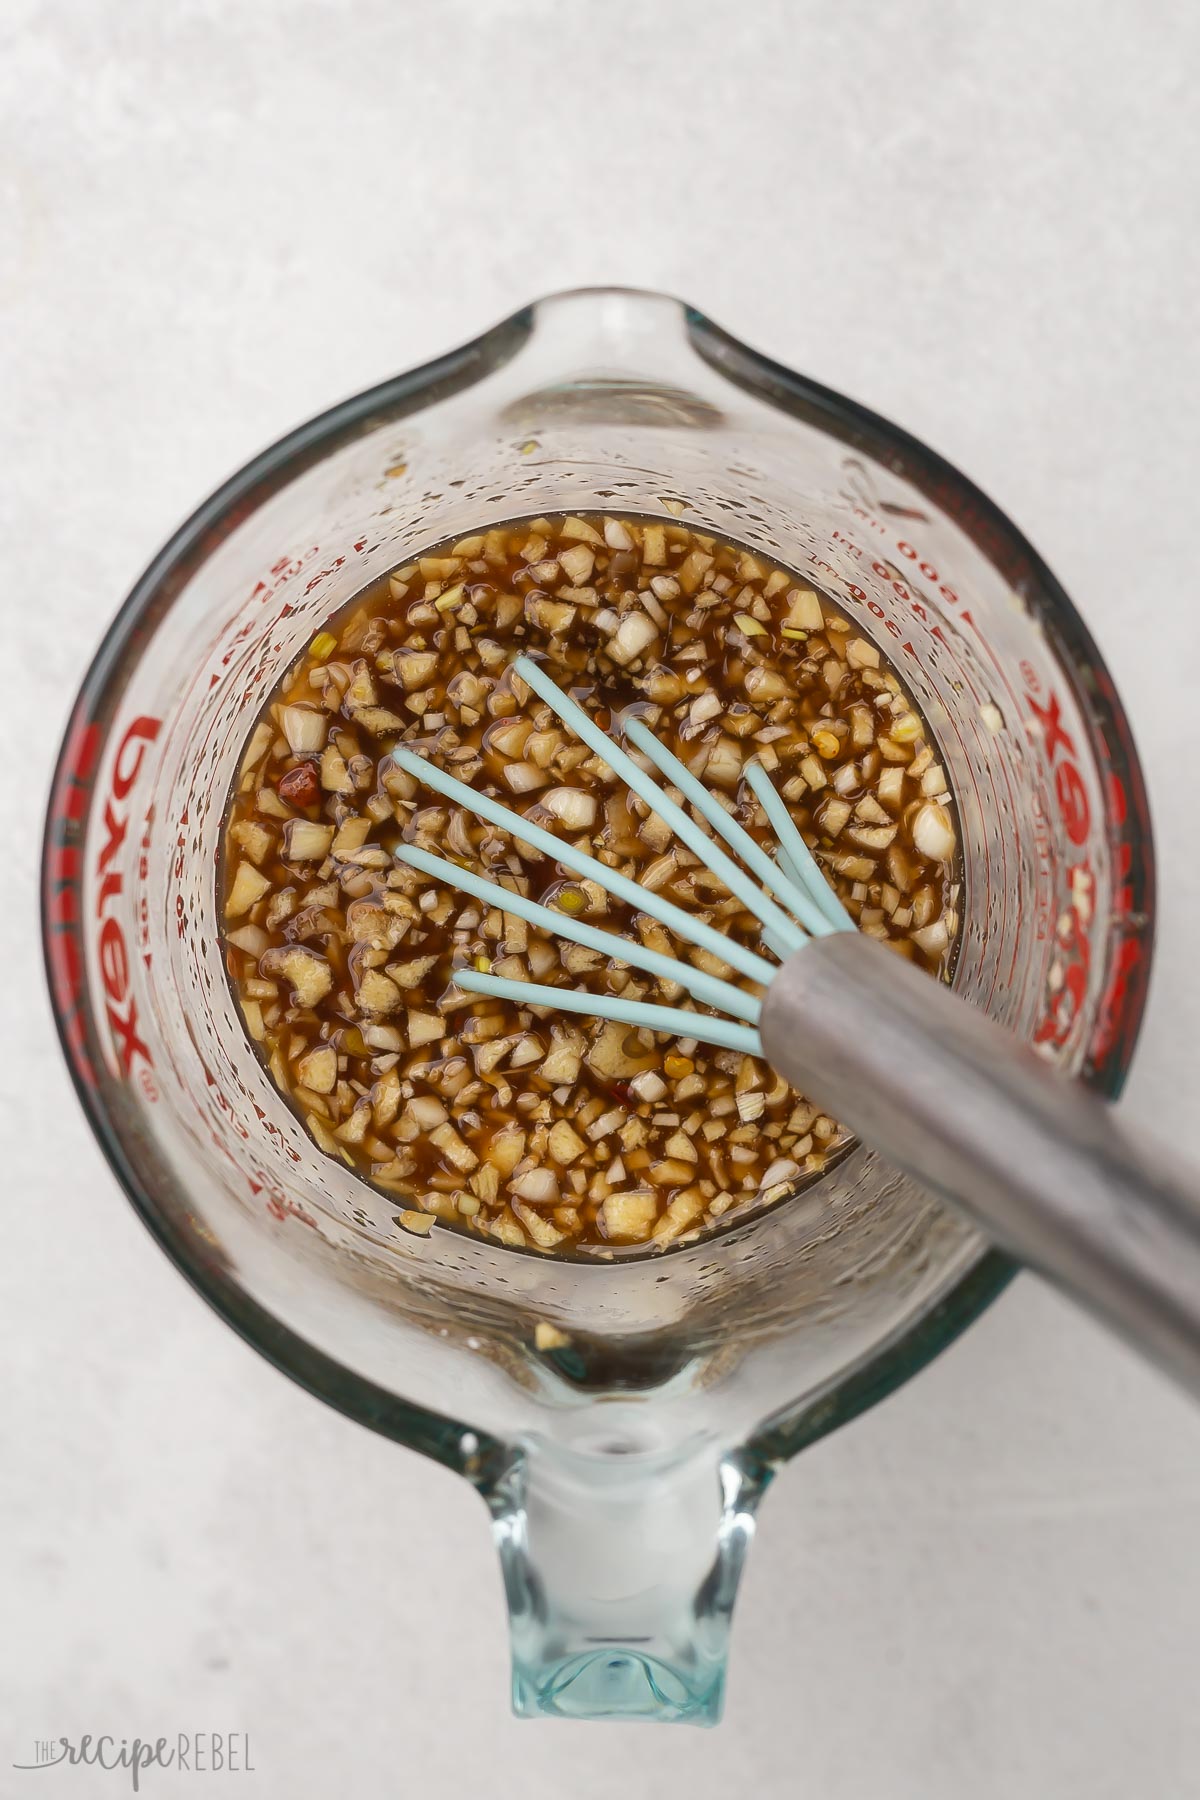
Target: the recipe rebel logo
194	1753
112	946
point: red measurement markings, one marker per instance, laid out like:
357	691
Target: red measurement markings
339	562
284	569
900	591
1069	790
142	911
949	595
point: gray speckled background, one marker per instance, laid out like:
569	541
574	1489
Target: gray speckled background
217	219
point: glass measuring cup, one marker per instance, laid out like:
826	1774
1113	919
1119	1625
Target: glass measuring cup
621	1419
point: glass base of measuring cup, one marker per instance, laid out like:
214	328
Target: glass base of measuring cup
616	1684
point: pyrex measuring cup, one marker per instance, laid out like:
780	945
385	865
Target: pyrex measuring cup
621	1418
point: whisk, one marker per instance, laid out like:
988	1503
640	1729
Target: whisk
798	906
936	1087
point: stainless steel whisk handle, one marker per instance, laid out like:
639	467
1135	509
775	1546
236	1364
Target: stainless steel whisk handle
1031	1156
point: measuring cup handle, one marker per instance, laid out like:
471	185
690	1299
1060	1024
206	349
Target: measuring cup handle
620	1571
1033	1157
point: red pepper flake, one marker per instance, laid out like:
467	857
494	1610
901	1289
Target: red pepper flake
301	786
622	1092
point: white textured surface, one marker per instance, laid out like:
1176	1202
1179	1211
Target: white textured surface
218	218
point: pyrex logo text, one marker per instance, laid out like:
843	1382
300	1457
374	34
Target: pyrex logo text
111	944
